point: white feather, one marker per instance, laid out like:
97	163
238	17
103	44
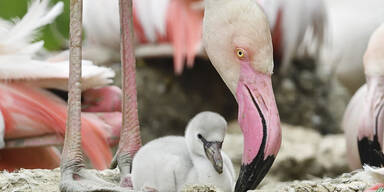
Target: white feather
351	23
104	29
51	74
144	16
16	38
4	26
271	9
303	27
17	52
351	122
159	12
101	23
377	174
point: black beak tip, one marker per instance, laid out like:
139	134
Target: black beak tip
252	174
220	171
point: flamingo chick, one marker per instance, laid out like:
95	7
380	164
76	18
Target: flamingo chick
363	119
169	163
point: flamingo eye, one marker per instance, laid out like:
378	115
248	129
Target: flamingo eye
240	53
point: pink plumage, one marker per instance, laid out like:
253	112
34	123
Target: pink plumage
28	112
363	118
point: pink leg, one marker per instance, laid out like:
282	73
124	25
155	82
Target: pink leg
73	175
72	158
130	140
74	178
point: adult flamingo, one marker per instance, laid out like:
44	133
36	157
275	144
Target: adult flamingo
33	119
363	119
240	48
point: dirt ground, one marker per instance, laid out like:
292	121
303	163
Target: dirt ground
48	181
167	102
319	157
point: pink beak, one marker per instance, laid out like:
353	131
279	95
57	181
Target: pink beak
260	124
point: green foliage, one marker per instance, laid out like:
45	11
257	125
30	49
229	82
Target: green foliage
54	35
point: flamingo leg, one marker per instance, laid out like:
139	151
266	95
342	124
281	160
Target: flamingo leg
74	177
72	157
130	140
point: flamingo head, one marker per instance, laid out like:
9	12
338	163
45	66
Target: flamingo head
204	137
237	39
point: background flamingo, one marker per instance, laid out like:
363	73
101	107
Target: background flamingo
178	23
33	119
299	29
351	23
165	22
363	118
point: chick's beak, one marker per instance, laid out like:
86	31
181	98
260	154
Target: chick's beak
213	152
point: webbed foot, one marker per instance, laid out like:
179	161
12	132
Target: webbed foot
86	181
126	181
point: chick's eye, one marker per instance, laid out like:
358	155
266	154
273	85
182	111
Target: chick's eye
199	136
240	52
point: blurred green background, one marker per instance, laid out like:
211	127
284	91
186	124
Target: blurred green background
54	35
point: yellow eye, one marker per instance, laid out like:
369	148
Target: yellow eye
240	52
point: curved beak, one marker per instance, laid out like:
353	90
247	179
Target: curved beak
260	124
213	152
